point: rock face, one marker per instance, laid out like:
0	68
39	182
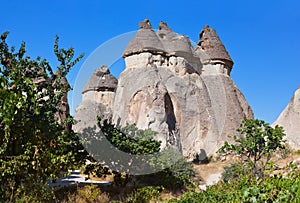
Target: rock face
97	99
289	119
183	93
228	103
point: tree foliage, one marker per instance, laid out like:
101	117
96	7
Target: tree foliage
257	142
34	146
138	142
130	139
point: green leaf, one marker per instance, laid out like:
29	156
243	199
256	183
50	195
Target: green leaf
19	105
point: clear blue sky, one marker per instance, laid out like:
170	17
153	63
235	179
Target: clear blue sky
262	37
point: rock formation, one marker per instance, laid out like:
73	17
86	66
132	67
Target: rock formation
183	93
228	103
97	99
289	119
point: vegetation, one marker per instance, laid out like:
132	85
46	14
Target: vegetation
130	139
250	180
88	193
249	189
145	195
255	146
34	146
134	141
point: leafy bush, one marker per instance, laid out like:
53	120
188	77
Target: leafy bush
182	172
129	139
132	140
145	195
233	172
257	143
85	194
34	146
91	193
249	189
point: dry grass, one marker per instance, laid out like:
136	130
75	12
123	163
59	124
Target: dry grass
204	171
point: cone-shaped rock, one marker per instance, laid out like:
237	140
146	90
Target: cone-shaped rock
289	119
97	99
228	103
210	48
191	112
145	40
101	80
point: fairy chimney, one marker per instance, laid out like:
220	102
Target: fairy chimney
101	87
212	53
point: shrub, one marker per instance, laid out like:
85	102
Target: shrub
258	141
248	189
233	172
145	195
85	194
92	193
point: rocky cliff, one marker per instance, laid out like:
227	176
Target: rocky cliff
184	93
289	119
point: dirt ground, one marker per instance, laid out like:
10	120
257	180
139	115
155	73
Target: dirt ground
280	159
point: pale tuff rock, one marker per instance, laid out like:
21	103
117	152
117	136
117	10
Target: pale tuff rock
86	115
97	99
184	94
289	119
101	87
160	100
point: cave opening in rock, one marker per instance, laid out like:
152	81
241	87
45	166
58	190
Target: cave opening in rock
171	121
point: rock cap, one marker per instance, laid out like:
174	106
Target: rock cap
210	47
174	44
101	80
145	40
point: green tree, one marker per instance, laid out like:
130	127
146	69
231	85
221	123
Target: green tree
128	139
34	146
139	142
257	142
